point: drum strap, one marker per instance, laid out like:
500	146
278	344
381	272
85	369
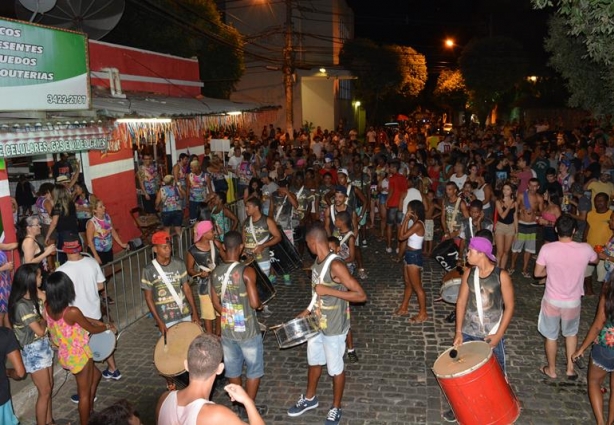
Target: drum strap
253	232
168	284
346	237
281	207
478	302
314	297
225	281
453	220
347	193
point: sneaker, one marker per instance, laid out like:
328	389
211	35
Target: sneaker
75	398
352	356
266	312
362	274
333	417
263	409
287	280
449	416
527	275
107	374
389	250
303	405
364	242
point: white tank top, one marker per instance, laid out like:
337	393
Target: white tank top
172	414
415	241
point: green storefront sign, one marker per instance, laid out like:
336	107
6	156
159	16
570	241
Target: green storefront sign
42	68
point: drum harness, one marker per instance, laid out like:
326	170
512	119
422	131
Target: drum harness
253	232
168	284
314	297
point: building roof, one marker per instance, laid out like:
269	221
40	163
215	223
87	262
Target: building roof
153	106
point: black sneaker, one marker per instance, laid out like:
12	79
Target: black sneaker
449	416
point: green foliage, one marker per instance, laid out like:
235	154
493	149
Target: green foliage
383	71
451	91
491	67
590	20
185	28
591	85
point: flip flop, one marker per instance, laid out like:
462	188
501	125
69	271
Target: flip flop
543	371
400	313
414	321
573	377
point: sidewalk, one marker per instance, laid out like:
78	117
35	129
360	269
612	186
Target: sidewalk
391	384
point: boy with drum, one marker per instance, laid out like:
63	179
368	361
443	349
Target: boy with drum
335	289
485	303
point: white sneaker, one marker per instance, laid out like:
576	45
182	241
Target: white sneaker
389	250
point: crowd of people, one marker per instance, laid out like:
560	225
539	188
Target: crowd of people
488	194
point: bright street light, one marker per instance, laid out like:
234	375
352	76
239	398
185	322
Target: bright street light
449	42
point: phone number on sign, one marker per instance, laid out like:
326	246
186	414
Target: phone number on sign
63	99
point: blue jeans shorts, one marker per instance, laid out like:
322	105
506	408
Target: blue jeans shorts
603	357
414	258
327	350
38	355
172	218
498	351
249	352
394	216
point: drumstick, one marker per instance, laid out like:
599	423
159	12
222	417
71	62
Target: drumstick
165	346
204	269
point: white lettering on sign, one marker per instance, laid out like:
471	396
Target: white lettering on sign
29	147
18	60
10	32
21	47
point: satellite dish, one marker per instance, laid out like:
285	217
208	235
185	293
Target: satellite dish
96	18
38	6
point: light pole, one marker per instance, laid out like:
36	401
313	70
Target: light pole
288	70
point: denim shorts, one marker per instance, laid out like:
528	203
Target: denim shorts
603	357
394	216
37	355
414	258
172	218
249	352
327	350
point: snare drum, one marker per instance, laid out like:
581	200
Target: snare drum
475	386
266	291
451	286
169	357
102	345
296	331
284	256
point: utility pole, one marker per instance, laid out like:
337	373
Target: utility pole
288	70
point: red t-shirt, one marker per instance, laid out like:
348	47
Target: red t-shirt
332	171
397	185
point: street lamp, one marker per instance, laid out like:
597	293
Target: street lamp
449	43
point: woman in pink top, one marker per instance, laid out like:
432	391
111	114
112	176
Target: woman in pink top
69	329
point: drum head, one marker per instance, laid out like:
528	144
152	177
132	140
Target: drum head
471	355
169	358
102	345
449	290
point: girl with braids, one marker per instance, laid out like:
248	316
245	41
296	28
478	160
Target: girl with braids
601	336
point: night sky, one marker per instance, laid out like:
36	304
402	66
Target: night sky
425	24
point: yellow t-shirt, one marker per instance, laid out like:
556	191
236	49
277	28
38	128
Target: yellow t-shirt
599	231
597	187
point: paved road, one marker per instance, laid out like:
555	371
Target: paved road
392	383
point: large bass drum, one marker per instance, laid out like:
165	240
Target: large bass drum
266	291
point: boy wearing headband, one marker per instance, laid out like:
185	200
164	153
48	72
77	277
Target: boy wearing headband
485	303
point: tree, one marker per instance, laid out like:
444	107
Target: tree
382	71
590	20
450	90
185	28
590	84
490	67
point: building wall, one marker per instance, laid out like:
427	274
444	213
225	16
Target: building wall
320	26
315	105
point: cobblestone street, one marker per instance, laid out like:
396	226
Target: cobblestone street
391	384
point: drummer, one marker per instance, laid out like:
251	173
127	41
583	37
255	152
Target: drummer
236	299
335	288
260	233
496	295
454	211
166	308
201	258
339	204
285	202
